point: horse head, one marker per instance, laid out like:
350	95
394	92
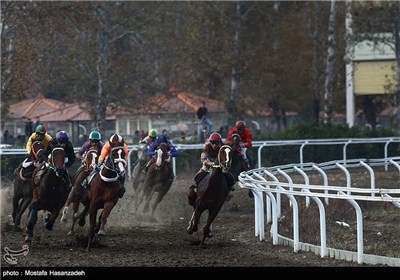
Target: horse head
36	151
225	158
118	157
57	161
235	141
91	158
162	154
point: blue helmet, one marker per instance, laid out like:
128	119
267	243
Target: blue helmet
161	139
62	137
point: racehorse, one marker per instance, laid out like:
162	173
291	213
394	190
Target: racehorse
157	179
22	183
79	194
103	193
212	192
137	174
52	191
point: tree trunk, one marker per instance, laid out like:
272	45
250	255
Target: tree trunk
103	37
330	65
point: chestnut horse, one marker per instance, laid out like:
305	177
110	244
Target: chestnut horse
52	191
103	193
22	183
212	192
157	179
79	194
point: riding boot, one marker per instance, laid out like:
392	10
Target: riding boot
122	189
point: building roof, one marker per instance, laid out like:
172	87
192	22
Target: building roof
183	102
50	110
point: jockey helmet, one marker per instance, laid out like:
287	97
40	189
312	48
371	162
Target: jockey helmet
161	139
40	129
153	133
116	138
215	137
240	124
62	137
94	135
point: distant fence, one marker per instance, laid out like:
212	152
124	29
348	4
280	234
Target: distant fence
264	181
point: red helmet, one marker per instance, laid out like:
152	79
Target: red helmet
215	137
240	124
41	129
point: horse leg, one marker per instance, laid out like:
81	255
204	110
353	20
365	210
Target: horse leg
31	223
64	216
53	216
92	219
24	204
159	197
190	227
75	216
207	228
108	206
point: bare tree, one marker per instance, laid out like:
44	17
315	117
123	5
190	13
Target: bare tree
330	65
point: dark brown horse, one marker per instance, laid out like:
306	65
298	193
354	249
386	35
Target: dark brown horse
104	190
212	192
51	192
79	194
157	179
22	183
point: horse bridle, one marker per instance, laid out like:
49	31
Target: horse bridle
226	165
52	165
114	161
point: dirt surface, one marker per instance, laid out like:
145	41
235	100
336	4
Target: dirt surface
133	239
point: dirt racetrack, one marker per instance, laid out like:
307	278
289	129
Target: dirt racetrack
134	240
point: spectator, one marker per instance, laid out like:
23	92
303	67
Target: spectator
28	127
203	120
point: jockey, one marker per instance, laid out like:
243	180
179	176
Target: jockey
172	151
61	140
245	138
209	157
105	152
148	140
40	134
93	142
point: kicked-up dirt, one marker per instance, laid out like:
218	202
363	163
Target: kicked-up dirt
134	239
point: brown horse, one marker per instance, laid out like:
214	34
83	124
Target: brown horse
52	191
157	179
22	183
212	192
79	194
104	190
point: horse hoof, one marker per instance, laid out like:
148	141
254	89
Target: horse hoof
101	232
49	226
17	228
82	222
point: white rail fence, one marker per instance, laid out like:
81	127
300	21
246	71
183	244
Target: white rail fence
261	145
264	181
